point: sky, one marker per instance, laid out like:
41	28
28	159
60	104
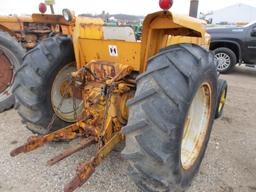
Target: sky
133	7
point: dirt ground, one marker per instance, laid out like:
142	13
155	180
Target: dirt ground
229	165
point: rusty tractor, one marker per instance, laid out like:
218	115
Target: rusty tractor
160	99
19	34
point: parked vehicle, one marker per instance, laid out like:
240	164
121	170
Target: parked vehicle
233	45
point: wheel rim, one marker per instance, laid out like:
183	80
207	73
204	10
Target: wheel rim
65	111
7	63
222	100
196	126
223	61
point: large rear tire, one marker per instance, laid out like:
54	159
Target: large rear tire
36	81
175	99
11	54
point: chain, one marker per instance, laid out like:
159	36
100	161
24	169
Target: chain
49	127
74	107
85	69
54	116
108	96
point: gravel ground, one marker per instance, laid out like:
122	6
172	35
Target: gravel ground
229	165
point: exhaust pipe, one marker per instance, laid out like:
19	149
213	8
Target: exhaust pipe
193	8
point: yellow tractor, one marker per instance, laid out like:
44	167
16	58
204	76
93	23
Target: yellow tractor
159	100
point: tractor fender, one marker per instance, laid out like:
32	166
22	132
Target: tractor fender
5	29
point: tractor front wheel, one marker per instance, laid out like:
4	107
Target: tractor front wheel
170	118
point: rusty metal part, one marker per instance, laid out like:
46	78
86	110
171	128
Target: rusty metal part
50	19
65	89
109	107
29	40
77	90
29	45
123	71
111	73
84	171
69	132
6	72
89	130
35	142
97	71
29	30
62	90
105	115
85	142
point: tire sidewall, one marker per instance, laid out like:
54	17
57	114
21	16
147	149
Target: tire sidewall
65	59
33	83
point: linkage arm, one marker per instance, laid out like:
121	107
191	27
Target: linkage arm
84	171
35	142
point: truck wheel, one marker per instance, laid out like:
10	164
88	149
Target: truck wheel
226	59
221	95
11	54
39	84
170	118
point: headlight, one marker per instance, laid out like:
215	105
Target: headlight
67	15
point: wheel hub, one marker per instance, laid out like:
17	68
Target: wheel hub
6	72
223	61
64	105
196	126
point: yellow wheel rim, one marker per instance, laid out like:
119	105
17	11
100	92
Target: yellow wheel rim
65	109
222	100
196	126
